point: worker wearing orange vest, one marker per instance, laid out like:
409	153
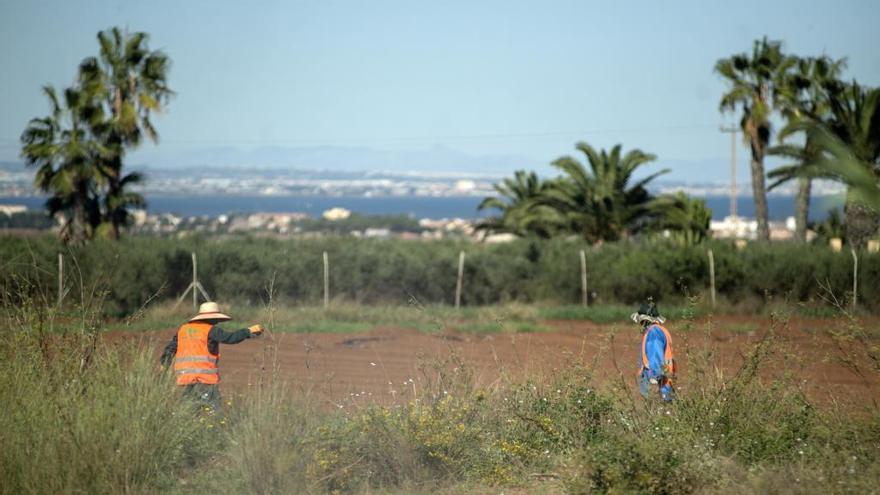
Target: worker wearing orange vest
657	365
195	352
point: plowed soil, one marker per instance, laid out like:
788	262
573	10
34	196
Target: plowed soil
383	365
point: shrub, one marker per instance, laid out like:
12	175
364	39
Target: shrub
91	423
371	271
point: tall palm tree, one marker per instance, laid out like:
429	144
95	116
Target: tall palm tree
521	213
804	98
602	203
754	81
65	154
130	80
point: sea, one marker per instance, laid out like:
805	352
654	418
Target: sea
780	207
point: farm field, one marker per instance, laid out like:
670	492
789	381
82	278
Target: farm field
367	364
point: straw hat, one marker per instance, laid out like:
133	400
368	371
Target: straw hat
210	311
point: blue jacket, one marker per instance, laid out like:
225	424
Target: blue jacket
655	349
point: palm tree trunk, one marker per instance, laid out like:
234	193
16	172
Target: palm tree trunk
78	230
802	205
112	212
759	191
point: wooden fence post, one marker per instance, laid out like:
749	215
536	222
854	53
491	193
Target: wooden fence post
855	278
60	279
712	277
458	284
585	298
326	280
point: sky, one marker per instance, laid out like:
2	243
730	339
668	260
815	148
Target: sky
519	80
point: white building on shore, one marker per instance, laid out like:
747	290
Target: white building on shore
735	227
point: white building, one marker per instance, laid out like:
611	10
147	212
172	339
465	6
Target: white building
747	228
334	214
10	210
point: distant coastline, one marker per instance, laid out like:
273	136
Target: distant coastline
780	207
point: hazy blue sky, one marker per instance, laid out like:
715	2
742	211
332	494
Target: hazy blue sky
526	79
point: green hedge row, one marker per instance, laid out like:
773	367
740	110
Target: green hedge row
396	271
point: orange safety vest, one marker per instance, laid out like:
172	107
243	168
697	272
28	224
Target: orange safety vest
668	360
193	362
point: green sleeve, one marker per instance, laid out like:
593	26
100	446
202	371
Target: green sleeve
221	336
169	352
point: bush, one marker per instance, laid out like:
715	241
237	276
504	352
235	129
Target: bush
268	449
664	462
101	422
396	272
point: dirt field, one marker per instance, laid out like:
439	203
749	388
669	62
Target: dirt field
382	365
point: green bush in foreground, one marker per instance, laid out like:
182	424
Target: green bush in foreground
84	415
76	421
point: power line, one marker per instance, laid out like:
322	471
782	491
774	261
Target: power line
462	137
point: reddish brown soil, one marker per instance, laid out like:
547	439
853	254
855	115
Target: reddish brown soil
377	366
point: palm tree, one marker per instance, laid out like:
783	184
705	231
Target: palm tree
517	201
601	204
754	81
831	228
65	154
804	98
851	143
131	81
688	218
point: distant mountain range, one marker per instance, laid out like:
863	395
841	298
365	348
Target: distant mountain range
351	158
425	162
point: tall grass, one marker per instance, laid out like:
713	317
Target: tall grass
343	317
109	427
85	414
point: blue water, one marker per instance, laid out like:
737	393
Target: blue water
418	207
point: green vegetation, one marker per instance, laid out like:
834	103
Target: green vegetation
27	220
80	147
344	317
687	219
803	97
754	85
126	83
407	273
518	203
599	203
360	223
852	146
90	416
61	149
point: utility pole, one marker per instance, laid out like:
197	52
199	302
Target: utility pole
732	131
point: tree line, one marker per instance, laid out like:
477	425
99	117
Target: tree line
79	148
798	276
831	131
